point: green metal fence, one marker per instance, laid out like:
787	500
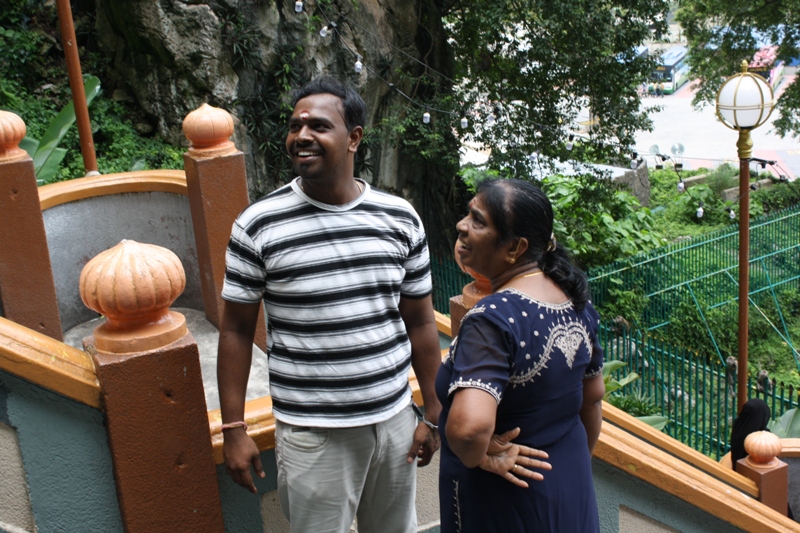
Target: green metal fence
448	281
707	269
696	396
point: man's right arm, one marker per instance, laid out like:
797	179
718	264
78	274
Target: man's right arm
234	356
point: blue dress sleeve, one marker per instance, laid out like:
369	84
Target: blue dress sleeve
595	367
481	357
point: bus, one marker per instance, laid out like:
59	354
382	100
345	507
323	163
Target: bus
766	64
672	69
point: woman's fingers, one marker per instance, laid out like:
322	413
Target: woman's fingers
532	463
509	435
532	452
521	471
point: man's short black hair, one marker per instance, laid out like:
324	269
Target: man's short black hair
355	110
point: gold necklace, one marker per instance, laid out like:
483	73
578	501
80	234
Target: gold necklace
526	275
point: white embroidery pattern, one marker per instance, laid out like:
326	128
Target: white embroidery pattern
457	506
596	373
474	310
567	338
451	352
475	384
561	308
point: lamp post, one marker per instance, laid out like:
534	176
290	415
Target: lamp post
744	102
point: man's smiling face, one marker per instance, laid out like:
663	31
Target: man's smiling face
318	142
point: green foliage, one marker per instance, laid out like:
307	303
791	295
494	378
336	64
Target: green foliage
723	177
628	303
701	195
595	220
241	38
689	328
34	85
598	222
46	154
675	213
721	33
547	62
780	196
119	147
611	383
265	113
787	426
472	176
634	404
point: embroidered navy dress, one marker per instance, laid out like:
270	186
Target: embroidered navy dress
532	357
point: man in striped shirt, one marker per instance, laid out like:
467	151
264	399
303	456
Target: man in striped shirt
344	274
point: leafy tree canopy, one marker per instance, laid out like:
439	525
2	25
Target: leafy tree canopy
722	33
536	64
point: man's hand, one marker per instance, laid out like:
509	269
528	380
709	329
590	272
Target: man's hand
240	452
512	461
426	442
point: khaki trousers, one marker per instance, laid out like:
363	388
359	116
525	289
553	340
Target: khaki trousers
328	476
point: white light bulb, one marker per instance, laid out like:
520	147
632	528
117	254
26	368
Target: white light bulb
464	122
681	186
359	66
569	145
426	118
490	120
700	212
634	164
323	32
732	214
298	6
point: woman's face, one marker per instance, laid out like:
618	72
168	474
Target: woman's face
477	241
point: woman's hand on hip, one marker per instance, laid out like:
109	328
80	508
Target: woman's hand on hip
513	461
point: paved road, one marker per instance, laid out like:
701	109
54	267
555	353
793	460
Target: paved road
707	141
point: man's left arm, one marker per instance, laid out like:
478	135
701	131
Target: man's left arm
426	359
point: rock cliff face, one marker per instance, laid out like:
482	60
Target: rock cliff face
244	56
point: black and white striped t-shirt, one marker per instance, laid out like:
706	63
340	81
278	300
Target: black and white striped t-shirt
331	277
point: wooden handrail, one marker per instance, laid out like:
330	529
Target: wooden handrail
63	192
681	451
48	363
666	472
443	324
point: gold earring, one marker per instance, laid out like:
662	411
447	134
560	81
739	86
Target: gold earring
514	254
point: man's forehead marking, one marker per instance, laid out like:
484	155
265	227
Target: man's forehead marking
304	114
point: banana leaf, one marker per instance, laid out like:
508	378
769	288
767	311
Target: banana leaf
45	158
787	426
655	421
29	145
49	168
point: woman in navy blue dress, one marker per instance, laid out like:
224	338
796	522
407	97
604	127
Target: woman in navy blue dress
522	381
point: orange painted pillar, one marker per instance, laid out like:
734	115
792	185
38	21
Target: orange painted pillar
148	366
70	44
217	183
27	289
770	474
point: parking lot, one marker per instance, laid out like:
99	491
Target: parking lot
707	142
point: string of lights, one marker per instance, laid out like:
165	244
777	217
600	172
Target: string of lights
334	24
